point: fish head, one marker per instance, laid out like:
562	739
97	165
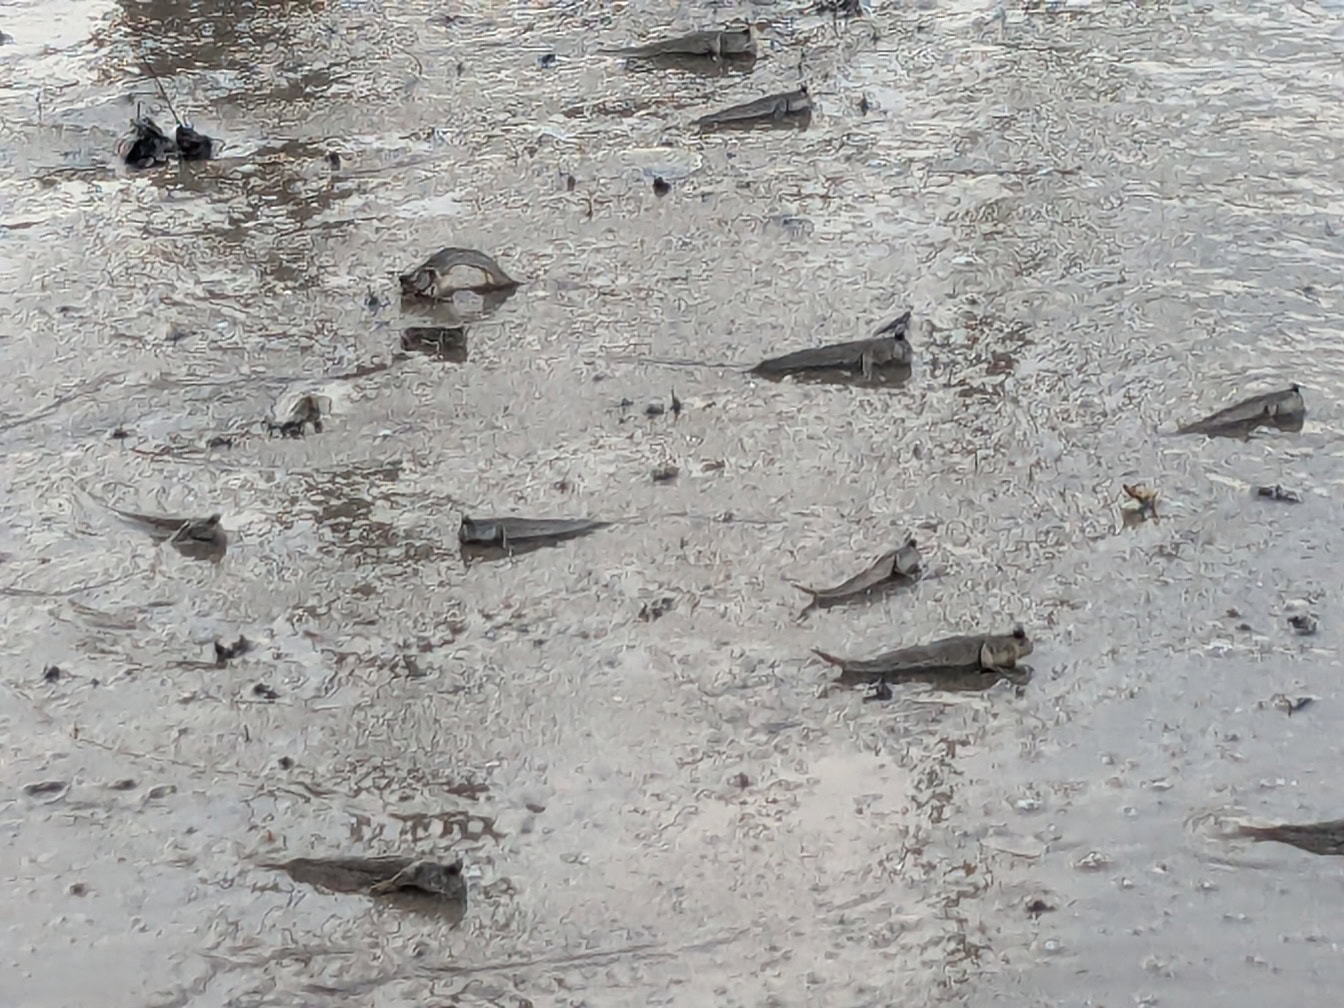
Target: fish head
420	282
1002	651
908	560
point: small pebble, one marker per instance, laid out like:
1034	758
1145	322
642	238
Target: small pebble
52	673
286	763
661	187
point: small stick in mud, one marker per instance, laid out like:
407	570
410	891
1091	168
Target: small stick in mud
431	279
1325	838
190	145
1285	410
790	107
897	566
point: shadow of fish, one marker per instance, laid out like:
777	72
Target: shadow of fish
884	359
1284	409
899	566
791	108
969	655
445	343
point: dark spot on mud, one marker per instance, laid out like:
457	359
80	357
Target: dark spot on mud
1304	624
334	159
286	763
534	808
124	784
666	473
654	409
740	781
661	187
220	441
651	611
161	791
1038	906
570	183
120	434
52	673
880	691
45	787
226	652
265	692
78	889
547	61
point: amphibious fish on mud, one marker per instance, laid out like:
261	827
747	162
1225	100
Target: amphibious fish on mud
194	537
432	279
971	653
416	883
898	565
716	44
885	356
1284	409
292	415
778	108
1317	838
505	532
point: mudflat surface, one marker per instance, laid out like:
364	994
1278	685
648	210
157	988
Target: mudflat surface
1107	219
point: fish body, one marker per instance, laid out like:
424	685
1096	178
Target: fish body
895	565
506	531
717	44
1317	838
1284	409
772	108
148	147
967	653
432	279
193	145
431	877
867	357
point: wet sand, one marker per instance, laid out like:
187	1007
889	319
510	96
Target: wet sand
1107	220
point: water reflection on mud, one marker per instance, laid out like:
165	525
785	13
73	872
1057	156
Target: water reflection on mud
1106	219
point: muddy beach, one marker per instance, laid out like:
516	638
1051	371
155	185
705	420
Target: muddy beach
1106	220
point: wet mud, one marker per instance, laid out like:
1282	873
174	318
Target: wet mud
1106	220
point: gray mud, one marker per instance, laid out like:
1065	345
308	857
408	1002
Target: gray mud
1107	219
